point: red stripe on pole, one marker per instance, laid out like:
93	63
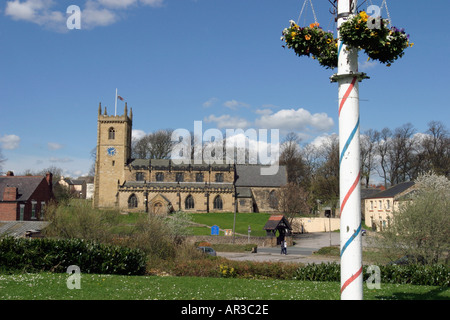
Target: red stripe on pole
354	185
351	279
347	93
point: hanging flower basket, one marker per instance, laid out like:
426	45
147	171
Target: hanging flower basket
312	41
379	43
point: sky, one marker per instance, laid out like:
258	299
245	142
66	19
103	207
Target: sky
179	61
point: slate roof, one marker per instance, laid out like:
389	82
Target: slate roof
162	164
393	191
19	228
176	184
250	176
25	185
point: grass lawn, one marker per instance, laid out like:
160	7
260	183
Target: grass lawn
225	221
49	286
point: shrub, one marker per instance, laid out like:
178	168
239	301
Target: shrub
56	255
431	275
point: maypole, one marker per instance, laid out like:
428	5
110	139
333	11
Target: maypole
348	78
355	32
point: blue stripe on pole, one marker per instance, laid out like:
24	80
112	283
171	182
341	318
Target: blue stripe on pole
341	43
354	235
349	140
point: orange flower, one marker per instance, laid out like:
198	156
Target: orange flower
308	37
312	25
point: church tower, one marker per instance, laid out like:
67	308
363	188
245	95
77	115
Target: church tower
113	154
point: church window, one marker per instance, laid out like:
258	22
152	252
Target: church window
199	177
218	204
179	177
139	176
273	200
189	203
160	176
219	177
132	202
111	134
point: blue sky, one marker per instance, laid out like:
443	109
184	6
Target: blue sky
178	61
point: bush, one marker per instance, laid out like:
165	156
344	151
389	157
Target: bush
431	275
34	255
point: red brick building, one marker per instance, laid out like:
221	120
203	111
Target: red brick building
23	198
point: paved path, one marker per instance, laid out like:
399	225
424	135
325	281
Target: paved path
301	252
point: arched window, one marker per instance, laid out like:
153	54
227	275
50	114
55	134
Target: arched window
189	202
218	204
132	202
111	134
273	199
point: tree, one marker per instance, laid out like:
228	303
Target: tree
421	224
291	158
156	145
2	160
368	145
436	148
293	200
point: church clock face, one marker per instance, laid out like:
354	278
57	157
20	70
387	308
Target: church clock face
111	151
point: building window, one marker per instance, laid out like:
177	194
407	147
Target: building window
388	204
139	176
132	202
371	205
218	204
42	210
179	177
219	177
273	200
380	204
189	203
33	209
199	177
160	176
22	212
111	134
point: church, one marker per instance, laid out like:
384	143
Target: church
161	186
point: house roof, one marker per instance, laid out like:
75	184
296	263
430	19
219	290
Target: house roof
19	228
277	221
25	185
368	192
393	191
250	176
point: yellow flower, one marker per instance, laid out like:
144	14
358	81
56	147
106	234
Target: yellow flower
329	41
307	37
293	34
357	27
363	16
411	44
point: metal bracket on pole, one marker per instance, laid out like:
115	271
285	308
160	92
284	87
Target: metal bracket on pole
359	75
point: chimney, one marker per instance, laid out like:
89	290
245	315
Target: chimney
10	194
49	178
10	174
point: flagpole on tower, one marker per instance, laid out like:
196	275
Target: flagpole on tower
349	163
115	109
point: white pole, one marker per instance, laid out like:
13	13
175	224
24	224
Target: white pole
115	109
349	166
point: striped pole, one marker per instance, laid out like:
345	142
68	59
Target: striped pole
348	79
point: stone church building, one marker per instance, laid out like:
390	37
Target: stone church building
161	186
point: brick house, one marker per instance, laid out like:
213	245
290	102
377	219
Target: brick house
23	198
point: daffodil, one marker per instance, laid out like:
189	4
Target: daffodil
364	16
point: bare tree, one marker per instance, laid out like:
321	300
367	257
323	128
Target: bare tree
291	157
156	145
436	148
293	200
2	160
368	146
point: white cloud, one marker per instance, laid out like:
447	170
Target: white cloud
36	11
94	13
295	120
210	102
233	104
137	134
10	142
228	122
60	160
54	146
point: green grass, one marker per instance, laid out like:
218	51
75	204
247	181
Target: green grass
225	221
49	286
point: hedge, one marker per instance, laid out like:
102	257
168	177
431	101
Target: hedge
56	255
431	275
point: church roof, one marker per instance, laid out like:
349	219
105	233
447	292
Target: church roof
250	176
